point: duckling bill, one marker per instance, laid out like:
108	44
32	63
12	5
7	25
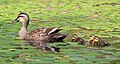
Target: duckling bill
39	37
77	39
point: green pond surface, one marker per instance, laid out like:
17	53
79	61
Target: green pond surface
82	17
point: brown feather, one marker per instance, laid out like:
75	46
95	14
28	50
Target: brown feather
39	37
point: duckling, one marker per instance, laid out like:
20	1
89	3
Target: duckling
75	38
91	38
99	42
39	37
95	41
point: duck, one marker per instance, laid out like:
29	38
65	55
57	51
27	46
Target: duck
77	39
40	37
97	41
100	42
91	38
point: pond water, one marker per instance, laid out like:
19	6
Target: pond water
15	51
77	16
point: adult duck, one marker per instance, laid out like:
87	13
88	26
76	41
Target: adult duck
39	37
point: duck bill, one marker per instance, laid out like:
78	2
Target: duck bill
15	20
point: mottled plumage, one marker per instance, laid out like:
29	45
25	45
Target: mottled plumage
77	39
100	42
91	38
39	37
97	41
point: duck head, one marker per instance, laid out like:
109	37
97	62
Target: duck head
74	37
96	39
92	36
22	17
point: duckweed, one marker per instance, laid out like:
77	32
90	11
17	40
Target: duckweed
82	17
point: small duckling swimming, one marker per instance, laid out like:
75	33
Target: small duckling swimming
97	41
91	38
75	38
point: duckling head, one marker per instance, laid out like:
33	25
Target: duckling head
96	39
22	17
74	37
92	36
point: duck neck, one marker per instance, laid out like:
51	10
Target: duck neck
23	31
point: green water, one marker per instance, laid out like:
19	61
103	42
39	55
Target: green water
76	16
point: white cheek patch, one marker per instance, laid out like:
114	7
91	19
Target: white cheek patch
21	19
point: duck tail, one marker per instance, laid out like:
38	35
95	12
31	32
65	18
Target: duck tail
58	37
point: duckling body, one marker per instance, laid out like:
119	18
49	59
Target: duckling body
97	41
100	42
75	38
39	37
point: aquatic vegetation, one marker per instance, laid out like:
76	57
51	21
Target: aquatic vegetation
76	16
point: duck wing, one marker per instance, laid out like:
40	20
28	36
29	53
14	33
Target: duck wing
58	37
41	37
53	33
40	34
